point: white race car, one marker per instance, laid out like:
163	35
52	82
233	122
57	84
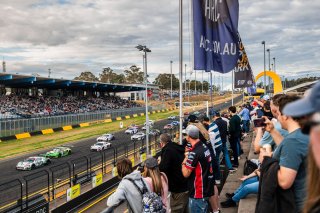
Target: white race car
105	137
151	122
131	131
32	163
172	117
139	136
100	146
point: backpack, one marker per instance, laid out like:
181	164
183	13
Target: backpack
151	202
249	167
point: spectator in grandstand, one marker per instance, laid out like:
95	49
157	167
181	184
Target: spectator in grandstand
266	110
223	129
263	100
225	117
171	159
249	185
206	122
126	189
157	181
310	105
197	167
245	117
216	143
234	135
263	138
291	152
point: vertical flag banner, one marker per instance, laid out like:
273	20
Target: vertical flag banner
243	76
215	25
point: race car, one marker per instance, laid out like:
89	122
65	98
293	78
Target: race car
139	136
172	117
100	146
145	126
106	137
154	132
32	163
58	152
151	122
131	131
168	126
175	123
132	126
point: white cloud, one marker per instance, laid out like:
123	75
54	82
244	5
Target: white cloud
71	36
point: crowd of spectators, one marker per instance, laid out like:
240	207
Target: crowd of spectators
285	176
12	106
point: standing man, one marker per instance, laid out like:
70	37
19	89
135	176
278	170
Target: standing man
235	134
223	129
216	143
245	115
171	159
197	167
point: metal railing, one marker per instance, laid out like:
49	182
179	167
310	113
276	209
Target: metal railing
53	181
16	126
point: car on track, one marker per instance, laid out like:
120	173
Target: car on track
151	122
99	146
154	132
106	137
58	152
139	136
175	123
172	117
168	126
131	131
145	126
132	126
32	163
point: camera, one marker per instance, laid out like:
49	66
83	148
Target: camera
259	122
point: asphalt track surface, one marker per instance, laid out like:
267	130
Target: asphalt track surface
81	148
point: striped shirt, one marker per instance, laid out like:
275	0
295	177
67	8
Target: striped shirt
214	135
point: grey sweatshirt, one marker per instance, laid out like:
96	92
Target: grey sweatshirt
127	191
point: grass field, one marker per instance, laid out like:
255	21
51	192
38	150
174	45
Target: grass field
17	147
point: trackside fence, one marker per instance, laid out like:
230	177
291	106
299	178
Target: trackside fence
48	184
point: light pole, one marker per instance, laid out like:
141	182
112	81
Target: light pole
195	82
180	67
145	49
268	50
171	76
185	75
274	64
264	66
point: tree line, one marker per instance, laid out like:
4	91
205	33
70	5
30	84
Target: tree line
134	75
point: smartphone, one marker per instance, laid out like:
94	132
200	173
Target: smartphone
259	122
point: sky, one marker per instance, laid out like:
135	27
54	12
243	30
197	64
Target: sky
72	36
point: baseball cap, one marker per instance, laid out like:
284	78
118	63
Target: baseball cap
192	118
266	97
192	131
306	105
151	163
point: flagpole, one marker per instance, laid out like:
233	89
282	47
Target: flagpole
180	68
232	83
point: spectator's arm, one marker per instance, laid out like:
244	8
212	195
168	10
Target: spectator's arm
277	137
241	113
189	163
286	177
259	102
186	171
259	134
116	198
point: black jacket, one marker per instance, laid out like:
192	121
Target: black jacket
172	156
271	197
223	129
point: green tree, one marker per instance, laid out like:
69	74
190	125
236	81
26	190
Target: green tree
87	76
107	75
164	81
119	79
133	75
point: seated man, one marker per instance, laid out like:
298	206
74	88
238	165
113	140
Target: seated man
250	185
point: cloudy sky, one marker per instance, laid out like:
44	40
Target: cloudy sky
71	36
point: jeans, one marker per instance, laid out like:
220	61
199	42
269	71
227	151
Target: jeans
216	163
198	205
246	125
249	186
235	146
226	155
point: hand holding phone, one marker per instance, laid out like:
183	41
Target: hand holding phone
259	122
